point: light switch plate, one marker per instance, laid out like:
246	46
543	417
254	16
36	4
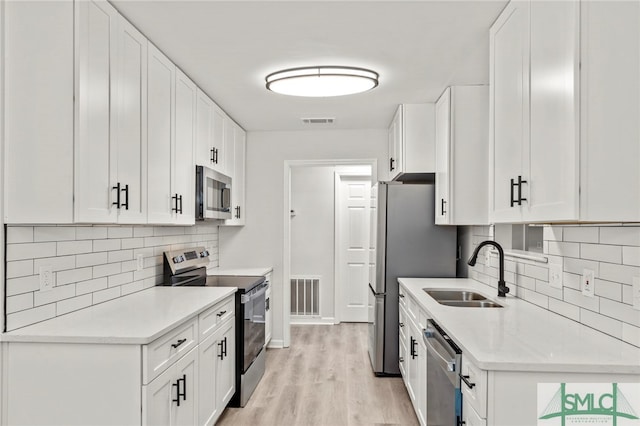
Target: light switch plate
555	275
487	257
635	293
588	282
140	262
46	278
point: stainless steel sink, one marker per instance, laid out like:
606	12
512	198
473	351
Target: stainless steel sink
471	303
454	295
461	298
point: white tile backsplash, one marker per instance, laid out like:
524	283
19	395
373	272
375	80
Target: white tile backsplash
611	251
91	264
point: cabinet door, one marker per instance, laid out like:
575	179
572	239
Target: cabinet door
554	112
220	135
161	78
443	130
229	153
38	111
238	176
96	29
412	364
157	399
403	329
268	312
395	145
226	367
204	130
186	413
184	164
208	408
610	111
131	123
509	77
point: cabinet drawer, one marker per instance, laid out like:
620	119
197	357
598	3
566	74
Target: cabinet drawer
402	297
158	355
412	309
402	324
475	393
470	416
210	319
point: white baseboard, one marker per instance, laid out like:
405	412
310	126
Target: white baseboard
312	321
275	344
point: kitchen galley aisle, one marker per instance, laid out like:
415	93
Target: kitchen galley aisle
324	378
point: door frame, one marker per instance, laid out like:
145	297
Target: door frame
286	216
339	294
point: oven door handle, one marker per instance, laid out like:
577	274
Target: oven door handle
245	298
447	364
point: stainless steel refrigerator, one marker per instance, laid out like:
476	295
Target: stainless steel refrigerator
408	244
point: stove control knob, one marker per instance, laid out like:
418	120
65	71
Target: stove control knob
204	253
178	259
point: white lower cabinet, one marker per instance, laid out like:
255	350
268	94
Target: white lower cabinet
470	417
217	373
184	377
170	399
268	313
413	362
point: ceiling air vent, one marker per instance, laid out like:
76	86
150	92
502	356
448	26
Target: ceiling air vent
318	120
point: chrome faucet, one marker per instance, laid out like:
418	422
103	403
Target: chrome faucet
502	287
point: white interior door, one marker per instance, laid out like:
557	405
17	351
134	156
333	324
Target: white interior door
353	246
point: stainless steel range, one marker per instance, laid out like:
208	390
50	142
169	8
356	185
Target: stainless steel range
188	267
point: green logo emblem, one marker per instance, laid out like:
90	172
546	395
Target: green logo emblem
586	405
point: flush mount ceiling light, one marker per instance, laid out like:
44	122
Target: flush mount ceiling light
322	81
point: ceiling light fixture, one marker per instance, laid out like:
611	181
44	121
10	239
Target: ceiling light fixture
322	81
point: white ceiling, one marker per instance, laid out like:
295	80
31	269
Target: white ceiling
228	47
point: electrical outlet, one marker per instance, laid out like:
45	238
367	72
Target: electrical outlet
588	282
487	256
635	293
140	262
46	278
555	275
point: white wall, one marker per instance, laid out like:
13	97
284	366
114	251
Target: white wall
260	241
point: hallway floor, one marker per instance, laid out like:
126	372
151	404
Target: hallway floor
324	378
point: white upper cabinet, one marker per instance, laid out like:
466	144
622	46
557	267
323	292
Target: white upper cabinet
210	134
238	175
184	157
96	29
565	104
509	80
412	140
222	136
462	141
610	111
161	143
110	143
38	112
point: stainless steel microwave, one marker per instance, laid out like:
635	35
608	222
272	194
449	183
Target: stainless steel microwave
213	194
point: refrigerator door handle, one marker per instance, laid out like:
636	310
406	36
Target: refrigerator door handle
374	292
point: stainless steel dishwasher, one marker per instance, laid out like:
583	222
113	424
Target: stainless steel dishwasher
444	358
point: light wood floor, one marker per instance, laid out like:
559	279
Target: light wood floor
324	378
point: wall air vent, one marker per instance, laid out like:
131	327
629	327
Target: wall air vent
320	120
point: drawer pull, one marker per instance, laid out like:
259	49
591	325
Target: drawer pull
466	381
401	324
401	359
181	341
400	295
221	313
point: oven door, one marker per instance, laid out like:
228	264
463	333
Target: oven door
253	305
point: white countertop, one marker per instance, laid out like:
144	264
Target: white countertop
521	336
248	272
138	318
